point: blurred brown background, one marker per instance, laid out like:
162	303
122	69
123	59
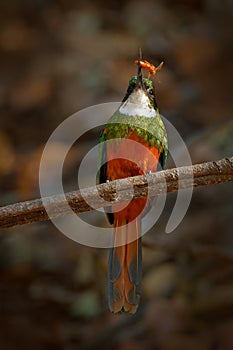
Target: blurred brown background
58	57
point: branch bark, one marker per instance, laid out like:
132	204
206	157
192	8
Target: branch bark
171	180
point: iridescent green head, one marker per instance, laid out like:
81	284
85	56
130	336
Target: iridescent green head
146	85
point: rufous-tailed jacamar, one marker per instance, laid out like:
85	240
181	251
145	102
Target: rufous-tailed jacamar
137	119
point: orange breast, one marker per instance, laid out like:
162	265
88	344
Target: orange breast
131	157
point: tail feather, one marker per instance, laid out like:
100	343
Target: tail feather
125	268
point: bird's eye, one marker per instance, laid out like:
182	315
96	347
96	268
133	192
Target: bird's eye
151	92
130	88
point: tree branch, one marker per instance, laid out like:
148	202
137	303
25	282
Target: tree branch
170	180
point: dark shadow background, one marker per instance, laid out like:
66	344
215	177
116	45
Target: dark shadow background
58	57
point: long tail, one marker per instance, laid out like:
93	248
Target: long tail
125	267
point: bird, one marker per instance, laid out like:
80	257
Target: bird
133	142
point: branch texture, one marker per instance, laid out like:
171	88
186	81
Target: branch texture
171	180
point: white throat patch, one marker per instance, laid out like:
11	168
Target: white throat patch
138	104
